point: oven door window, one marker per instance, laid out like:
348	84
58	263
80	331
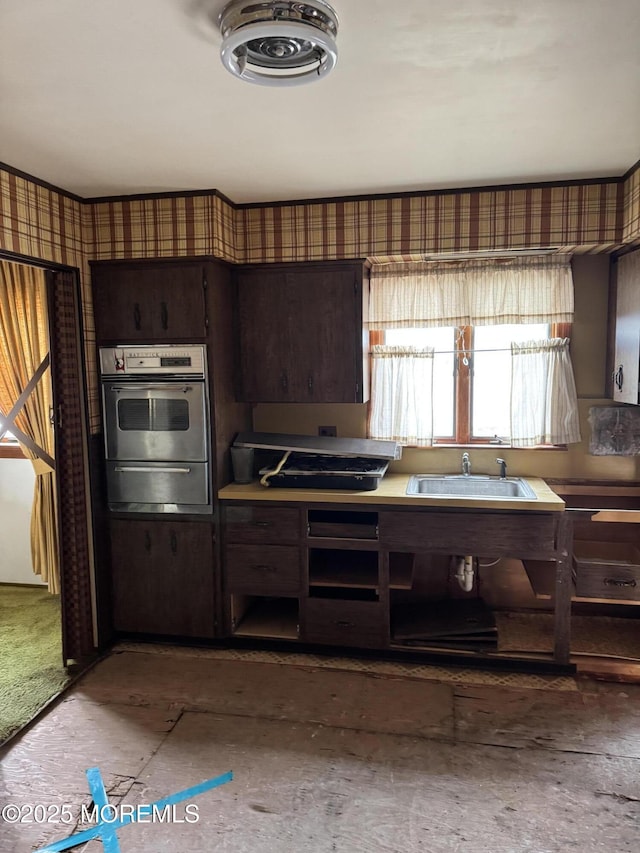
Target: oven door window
153	415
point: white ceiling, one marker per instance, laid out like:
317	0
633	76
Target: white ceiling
129	96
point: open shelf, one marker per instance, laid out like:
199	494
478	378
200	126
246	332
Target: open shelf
343	593
260	616
340	524
330	567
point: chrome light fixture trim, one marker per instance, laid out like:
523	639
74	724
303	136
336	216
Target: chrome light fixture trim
279	43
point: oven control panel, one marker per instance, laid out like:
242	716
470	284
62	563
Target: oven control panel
173	360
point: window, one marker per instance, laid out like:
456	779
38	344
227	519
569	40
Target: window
473	352
471	377
9	447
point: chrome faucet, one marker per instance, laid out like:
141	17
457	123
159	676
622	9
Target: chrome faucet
466	464
503	468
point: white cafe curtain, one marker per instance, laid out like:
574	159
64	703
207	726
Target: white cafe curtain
402	394
544	404
471	293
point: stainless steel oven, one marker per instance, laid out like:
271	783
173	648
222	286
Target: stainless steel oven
156	428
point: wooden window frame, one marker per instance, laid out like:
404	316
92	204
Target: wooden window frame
463	387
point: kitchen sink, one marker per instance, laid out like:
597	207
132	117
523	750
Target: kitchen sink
472	486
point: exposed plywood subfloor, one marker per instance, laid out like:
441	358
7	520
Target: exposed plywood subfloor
336	761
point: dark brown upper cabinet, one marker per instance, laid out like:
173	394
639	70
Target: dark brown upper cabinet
152	301
301	332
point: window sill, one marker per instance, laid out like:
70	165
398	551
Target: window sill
497	447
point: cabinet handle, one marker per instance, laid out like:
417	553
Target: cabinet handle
264	568
619	378
164	315
137	318
142	469
619	582
310	384
284	380
147	541
342	624
261	524
174	543
205	285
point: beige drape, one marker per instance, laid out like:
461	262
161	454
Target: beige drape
402	394
544	403
423	294
23	347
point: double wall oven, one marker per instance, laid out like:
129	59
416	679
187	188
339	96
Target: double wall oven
156	428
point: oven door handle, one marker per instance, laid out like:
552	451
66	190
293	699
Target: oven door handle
163	387
121	469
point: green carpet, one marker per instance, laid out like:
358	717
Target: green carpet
31	671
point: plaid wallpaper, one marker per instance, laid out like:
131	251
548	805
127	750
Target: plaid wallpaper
40	222
631	207
164	227
586	217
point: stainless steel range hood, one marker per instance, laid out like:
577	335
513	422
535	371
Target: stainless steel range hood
368	447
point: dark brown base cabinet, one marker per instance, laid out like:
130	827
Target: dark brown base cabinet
332	575
163	578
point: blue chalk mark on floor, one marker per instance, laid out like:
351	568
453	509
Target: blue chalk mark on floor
107	831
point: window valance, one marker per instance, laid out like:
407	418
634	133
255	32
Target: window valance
420	294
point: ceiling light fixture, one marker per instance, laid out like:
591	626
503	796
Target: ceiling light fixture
279	43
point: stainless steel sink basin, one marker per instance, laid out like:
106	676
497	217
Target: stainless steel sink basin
471	486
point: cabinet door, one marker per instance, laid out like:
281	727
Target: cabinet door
261	524
345	623
301	335
272	570
627	350
163	577
264	314
151	301
326	354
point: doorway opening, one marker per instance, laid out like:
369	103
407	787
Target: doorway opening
47	601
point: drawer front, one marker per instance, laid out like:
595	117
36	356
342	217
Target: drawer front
266	570
262	524
490	534
345	623
600	580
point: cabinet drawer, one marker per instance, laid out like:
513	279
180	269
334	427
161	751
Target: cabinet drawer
345	623
266	570
262	524
491	534
607	570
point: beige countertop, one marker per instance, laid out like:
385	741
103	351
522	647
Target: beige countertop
392	491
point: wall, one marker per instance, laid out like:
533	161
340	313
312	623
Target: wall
588	349
16	497
40	221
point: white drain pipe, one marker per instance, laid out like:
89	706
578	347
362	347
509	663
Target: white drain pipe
464	572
